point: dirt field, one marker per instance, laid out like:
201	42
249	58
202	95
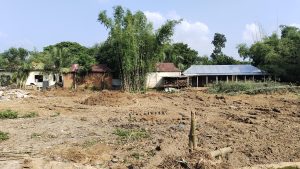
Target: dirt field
84	130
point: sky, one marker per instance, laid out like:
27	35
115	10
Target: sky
34	24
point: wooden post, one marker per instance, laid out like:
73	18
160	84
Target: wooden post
206	80
227	79
253	78
192	136
236	78
245	78
232	78
188	82
197	81
217	80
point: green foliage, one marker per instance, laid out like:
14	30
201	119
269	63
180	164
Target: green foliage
219	43
279	56
127	134
8	114
30	115
133	46
289	167
35	135
251	88
181	55
3	136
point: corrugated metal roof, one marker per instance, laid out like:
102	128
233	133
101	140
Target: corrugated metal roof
222	70
166	67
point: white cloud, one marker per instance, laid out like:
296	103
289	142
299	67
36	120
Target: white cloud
155	17
195	34
252	33
296	25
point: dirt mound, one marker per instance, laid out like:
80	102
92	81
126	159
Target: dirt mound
196	160
110	99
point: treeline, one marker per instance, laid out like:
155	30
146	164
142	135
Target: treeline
279	55
133	48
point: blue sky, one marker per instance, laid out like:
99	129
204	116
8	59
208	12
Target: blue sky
38	23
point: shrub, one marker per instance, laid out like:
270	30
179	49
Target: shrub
250	87
126	134
30	115
3	136
8	114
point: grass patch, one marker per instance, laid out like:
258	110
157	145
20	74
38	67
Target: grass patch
90	143
251	88
8	114
30	115
3	136
35	135
289	167
131	134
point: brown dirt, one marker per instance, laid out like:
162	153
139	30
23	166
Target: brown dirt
76	129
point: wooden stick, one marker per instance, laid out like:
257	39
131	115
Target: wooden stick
192	137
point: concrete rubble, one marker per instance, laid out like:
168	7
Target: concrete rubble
11	94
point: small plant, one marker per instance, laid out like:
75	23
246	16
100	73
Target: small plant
136	155
55	114
89	143
3	136
126	134
30	115
289	167
36	135
8	114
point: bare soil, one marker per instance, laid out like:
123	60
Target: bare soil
78	130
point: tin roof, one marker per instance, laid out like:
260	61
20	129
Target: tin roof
100	68
223	70
166	67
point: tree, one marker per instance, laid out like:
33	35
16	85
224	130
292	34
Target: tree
279	56
62	55
219	43
16	59
181	54
135	46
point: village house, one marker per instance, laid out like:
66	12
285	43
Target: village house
42	79
201	75
99	78
166	75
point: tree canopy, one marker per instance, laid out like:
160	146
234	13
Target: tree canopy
278	55
135	46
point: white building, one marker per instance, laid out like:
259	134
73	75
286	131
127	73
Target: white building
163	70
36	78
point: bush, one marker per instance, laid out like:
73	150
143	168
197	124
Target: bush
126	134
250	87
30	115
8	114
3	136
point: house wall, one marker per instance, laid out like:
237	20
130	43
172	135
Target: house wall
46	77
155	79
68	80
92	80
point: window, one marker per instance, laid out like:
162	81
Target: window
38	78
54	78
